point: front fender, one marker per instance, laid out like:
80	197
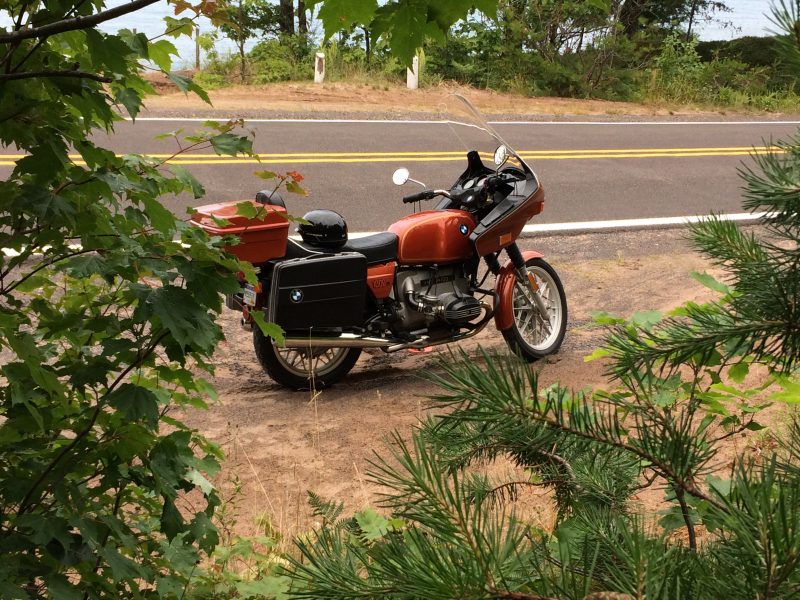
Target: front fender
504	286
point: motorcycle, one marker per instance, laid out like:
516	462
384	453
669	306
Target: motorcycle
416	285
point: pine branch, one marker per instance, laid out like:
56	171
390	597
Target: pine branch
74	23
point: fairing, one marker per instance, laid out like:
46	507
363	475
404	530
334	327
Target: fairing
500	223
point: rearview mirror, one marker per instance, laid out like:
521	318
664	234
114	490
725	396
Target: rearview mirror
400	176
500	155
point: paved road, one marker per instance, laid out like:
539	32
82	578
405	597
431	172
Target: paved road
591	171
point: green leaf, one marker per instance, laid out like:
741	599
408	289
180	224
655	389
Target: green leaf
135	403
122	566
195	477
340	14
265	174
273	586
187	321
710	282
59	588
161	53
136	41
161	218
189	180
268	329
130	99
187	85
604	318
408	30
646	319
231	144
672	518
373	525
247	209
738	372
597	354
719	485
172	522
294	188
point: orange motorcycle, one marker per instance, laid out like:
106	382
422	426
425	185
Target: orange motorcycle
418	284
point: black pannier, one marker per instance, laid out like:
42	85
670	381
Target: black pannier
325	291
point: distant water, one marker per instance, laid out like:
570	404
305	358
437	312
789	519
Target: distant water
747	18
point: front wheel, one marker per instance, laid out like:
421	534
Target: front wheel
303	368
531	336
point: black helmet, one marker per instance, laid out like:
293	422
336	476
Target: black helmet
325	229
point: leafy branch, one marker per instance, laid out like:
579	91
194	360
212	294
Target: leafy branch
71	24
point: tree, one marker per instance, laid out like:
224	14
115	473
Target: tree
246	19
107	306
107	302
635	15
287	17
302	19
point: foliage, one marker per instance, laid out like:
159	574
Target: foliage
680	76
272	60
685	386
240	567
107	303
244	20
785	15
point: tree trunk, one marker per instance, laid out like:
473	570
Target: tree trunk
692	14
367	46
287	17
302	22
242	60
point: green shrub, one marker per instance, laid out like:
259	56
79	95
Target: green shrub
209	80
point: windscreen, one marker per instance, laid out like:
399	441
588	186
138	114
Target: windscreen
469	126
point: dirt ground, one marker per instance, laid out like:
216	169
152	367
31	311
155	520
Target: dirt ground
281	443
382	101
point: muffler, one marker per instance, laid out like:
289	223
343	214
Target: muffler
345	340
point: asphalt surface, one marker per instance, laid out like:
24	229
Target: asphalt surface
590	171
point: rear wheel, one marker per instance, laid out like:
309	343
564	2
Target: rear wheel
531	336
303	368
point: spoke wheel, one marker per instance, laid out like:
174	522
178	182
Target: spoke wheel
303	368
532	336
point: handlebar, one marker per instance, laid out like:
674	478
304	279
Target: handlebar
489	186
425	195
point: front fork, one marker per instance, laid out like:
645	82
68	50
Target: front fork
526	283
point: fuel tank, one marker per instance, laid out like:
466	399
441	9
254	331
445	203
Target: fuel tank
434	236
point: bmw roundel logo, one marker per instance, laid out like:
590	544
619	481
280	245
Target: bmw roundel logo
296	295
463	229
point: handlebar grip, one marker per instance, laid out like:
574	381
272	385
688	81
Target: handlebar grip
426	195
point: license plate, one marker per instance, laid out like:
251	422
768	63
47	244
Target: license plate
249	295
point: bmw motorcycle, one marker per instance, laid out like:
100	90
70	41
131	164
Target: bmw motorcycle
419	284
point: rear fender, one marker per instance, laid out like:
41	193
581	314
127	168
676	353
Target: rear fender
504	286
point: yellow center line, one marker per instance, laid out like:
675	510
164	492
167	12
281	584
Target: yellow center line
379	157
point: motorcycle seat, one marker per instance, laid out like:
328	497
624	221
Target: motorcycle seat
378	248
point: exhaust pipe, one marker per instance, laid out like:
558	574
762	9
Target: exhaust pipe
346	340
349	340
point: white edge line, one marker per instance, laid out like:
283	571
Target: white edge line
579	226
434	122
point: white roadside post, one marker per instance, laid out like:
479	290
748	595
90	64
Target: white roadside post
412	74
319	67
